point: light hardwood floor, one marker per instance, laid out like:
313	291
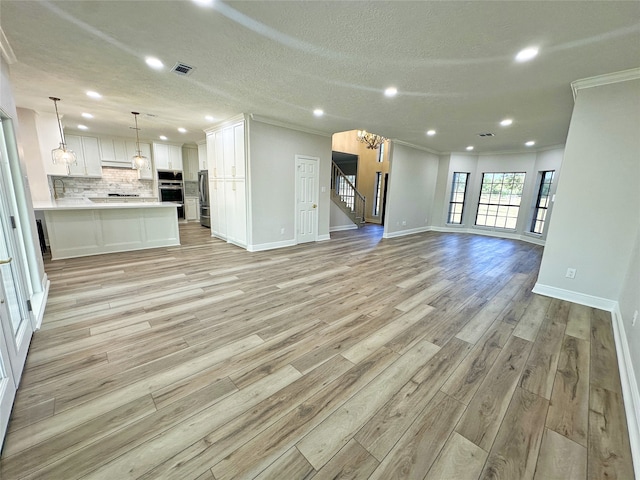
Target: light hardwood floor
420	357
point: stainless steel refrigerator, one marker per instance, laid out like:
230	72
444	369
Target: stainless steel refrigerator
203	189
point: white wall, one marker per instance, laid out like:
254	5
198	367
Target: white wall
30	146
413	176
630	304
595	218
272	152
339	220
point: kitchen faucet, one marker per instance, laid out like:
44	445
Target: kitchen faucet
55	192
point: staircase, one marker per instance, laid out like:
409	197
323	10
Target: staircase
346	197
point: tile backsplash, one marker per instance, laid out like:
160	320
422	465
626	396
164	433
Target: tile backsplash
114	180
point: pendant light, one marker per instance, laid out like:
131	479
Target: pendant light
139	161
62	155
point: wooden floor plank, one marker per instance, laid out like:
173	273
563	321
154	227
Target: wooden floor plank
459	459
569	407
609	450
561	458
487	408
515	451
413	455
204	361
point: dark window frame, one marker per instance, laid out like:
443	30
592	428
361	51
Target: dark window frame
542	202
377	194
452	213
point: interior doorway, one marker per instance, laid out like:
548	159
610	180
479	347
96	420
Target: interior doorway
306	198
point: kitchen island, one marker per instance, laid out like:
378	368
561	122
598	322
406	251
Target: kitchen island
80	227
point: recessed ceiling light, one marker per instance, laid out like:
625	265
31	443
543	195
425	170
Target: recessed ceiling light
83	127
318	112
162	137
203	3
506	122
153	62
209	118
530	143
431	133
182	130
391	92
527	54
93	94
87	115
470	147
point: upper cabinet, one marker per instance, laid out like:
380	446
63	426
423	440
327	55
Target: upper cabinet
87	156
118	152
226	151
190	163
202	156
145	150
167	156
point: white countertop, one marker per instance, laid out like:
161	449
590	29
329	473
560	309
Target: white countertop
86	204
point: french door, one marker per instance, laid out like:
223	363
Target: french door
16	328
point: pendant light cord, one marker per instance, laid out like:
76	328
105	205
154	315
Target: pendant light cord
55	104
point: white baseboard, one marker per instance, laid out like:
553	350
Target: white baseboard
322	238
341	228
575	297
410	231
491	233
630	392
270	246
39	302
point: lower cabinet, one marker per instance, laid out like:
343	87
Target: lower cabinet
191	208
229	210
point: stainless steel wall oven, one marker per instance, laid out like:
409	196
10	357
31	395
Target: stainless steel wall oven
171	189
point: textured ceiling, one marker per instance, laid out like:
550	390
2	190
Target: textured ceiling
452	62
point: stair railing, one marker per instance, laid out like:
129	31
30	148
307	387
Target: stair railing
347	192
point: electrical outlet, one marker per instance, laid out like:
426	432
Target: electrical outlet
635	318
571	273
404	223
282	231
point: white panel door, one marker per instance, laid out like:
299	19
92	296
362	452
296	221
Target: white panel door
7	383
306	199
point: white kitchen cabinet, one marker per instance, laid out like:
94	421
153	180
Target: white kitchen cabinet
217	208
87	155
191	208
190	163
167	156
226	158
236	211
113	152
202	156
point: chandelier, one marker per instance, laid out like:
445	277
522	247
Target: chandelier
62	155
138	161
371	140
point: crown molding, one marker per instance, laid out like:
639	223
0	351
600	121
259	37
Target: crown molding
290	126
417	147
229	121
6	50
513	152
606	79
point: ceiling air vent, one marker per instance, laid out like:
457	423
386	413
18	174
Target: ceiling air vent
182	69
486	134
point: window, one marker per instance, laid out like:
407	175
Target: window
458	194
344	189
376	194
500	198
542	202
381	152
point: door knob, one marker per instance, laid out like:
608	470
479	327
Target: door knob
8	260
314	205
